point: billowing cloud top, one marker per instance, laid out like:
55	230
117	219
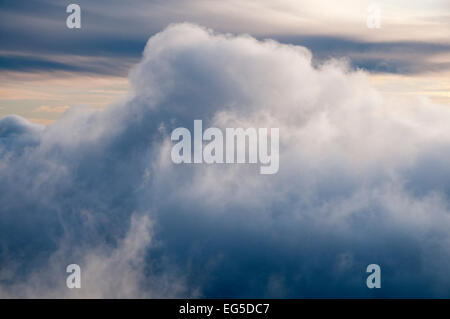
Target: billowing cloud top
363	179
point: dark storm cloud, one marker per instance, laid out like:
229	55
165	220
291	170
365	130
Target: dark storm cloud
355	184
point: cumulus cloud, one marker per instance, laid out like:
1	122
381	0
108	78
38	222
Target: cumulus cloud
363	179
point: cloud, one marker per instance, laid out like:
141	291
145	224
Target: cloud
402	57
363	179
35	63
36	39
107	272
52	109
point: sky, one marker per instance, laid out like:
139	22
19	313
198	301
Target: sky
408	55
86	175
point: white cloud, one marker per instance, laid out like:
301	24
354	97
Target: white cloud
362	177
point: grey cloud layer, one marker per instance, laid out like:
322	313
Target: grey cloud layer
363	179
35	38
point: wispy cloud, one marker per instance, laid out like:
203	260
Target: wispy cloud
118	34
52	109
